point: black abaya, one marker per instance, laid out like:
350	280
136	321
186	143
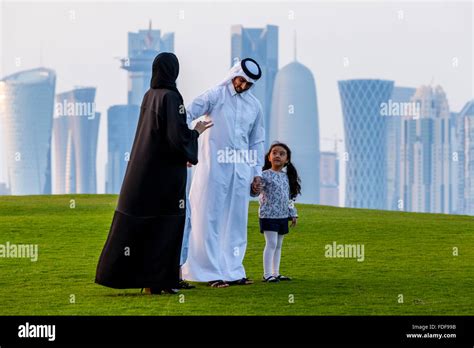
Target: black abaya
144	243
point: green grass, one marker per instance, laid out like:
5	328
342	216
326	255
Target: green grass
405	253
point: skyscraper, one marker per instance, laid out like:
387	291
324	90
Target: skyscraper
456	181
64	181
401	99
75	141
122	124
142	50
426	154
465	151
329	174
295	121
260	44
365	138
4	191
26	112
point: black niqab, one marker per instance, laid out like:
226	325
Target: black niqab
165	71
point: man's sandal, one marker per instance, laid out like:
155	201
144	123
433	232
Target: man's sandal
218	284
271	279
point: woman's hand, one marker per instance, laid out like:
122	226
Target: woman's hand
201	126
293	222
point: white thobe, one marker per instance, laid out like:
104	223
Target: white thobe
220	188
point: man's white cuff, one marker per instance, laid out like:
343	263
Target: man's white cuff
257	171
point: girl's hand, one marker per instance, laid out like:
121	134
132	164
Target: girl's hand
293	222
257	185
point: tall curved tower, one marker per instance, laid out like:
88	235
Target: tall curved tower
26	112
76	149
294	121
365	136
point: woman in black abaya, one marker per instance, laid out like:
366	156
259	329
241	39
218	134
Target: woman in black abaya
144	243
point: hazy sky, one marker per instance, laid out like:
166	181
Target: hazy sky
411	43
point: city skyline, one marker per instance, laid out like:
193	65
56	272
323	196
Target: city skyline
330	122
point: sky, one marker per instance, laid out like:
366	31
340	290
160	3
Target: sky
411	43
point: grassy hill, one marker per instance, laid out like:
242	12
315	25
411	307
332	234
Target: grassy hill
405	254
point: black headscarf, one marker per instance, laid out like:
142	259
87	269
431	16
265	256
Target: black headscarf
165	72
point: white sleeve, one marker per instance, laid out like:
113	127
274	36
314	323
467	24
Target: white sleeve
292	211
257	142
201	105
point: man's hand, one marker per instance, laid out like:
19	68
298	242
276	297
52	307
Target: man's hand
257	184
293	222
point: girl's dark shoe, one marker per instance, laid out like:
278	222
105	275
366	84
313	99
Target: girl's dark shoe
270	279
282	277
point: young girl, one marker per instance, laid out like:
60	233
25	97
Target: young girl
280	186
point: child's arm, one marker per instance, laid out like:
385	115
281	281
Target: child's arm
292	212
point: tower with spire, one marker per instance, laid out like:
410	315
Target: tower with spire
142	49
295	121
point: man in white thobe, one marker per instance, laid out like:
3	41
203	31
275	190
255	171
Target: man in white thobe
230	160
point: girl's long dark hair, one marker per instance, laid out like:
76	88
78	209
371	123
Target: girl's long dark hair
293	178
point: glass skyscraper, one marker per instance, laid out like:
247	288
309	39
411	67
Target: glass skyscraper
329	174
465	135
426	167
75	141
295	121
400	96
26	113
142	50
64	170
365	138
